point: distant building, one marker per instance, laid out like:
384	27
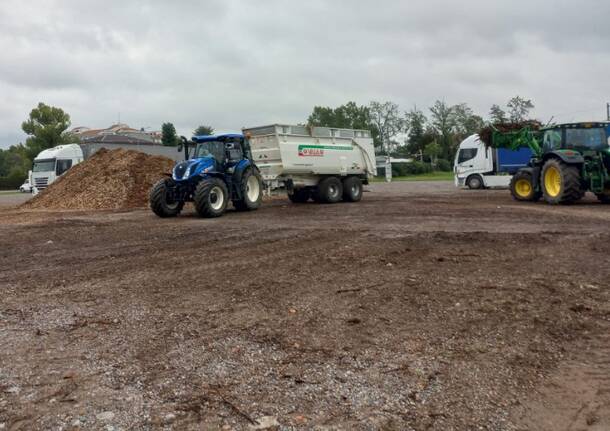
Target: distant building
119	133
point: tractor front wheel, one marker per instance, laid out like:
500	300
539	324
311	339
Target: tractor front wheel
251	190
522	187
161	200
211	198
560	182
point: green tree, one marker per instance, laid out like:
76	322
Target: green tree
442	121
349	116
415	123
497	115
386	118
432	152
466	122
169	137
46	128
519	109
203	130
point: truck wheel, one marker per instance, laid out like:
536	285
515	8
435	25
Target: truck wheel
160	201
329	191
522	188
299	196
474	182
251	190
352	189
560	182
211	198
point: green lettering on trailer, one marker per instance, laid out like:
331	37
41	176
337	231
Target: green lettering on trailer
326	147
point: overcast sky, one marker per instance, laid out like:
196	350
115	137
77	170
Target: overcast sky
234	63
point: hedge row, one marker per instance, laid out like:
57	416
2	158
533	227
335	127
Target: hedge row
10	183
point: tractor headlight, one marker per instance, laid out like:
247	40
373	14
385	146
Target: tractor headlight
187	172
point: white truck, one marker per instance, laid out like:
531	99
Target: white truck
50	164
53	162
322	163
477	166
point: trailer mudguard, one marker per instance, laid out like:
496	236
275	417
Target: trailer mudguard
570	157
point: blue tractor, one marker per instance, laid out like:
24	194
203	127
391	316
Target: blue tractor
220	170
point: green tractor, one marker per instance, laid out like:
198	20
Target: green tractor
568	161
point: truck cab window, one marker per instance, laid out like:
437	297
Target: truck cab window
467	154
63	166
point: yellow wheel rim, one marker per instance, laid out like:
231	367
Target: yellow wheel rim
552	181
523	188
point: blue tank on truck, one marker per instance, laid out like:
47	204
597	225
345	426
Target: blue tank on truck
510	161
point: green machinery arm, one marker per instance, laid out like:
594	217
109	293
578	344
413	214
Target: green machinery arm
515	139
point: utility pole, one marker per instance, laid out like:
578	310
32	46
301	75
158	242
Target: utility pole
608	111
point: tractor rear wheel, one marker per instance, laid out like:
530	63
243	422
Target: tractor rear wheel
299	196
352	189
522	187
560	182
329	191
161	202
251	190
211	198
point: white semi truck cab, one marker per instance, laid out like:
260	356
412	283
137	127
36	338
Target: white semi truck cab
478	166
52	163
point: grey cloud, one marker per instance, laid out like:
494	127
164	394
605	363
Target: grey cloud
238	63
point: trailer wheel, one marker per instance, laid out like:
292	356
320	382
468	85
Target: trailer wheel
299	196
251	190
211	198
161	202
474	182
352	189
560	182
329	191
522	187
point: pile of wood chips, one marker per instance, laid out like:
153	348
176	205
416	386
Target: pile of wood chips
115	179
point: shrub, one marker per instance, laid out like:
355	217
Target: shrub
444	165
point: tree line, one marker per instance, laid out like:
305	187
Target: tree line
431	135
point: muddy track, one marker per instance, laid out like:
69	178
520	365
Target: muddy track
418	308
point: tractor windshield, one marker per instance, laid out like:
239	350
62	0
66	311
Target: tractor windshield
593	138
215	149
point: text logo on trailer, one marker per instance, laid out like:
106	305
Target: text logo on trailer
310	151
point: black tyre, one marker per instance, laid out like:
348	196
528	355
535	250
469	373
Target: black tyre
160	199
299	196
252	191
329	191
474	182
352	189
211	198
522	187
561	182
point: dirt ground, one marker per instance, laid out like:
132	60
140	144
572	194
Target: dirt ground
421	307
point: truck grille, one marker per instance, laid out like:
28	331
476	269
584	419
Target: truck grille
41	183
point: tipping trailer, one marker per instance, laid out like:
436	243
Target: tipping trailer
324	164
